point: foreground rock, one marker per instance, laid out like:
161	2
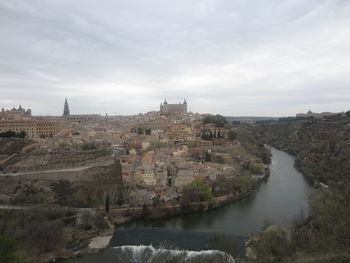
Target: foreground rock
98	243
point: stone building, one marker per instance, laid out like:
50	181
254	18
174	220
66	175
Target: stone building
78	117
83	117
18	120
317	115
16	114
166	108
33	128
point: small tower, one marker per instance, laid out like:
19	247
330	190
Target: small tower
66	108
185	106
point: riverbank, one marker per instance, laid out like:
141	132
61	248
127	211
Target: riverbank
81	231
120	216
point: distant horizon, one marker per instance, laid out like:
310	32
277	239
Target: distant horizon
133	114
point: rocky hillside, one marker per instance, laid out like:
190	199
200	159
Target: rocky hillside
322	146
11	146
22	155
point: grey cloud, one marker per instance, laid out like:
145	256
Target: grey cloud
237	57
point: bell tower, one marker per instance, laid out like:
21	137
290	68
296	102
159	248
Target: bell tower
66	108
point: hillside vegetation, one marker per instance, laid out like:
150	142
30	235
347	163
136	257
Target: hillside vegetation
322	150
321	146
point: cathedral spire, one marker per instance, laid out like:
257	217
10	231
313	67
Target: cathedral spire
66	108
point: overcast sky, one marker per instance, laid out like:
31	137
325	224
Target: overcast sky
237	57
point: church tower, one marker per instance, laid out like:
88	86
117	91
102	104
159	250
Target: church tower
185	106
66	108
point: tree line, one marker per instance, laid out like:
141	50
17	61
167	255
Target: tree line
12	134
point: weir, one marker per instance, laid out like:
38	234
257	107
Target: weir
171	238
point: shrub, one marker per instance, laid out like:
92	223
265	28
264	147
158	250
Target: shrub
218	120
11	134
116	170
257	168
100	222
197	191
224	185
273	246
89	146
245	183
48	235
232	135
7	249
63	190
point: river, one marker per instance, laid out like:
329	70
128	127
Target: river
282	198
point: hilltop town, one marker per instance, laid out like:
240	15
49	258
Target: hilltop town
156	155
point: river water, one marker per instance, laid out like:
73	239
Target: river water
282	198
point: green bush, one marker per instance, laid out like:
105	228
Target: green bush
11	134
245	183
232	135
88	146
7	249
63	189
218	120
117	170
257	168
273	246
197	191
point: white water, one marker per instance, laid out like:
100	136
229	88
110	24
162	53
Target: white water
149	254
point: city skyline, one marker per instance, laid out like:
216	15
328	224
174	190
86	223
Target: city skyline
262	58
66	112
